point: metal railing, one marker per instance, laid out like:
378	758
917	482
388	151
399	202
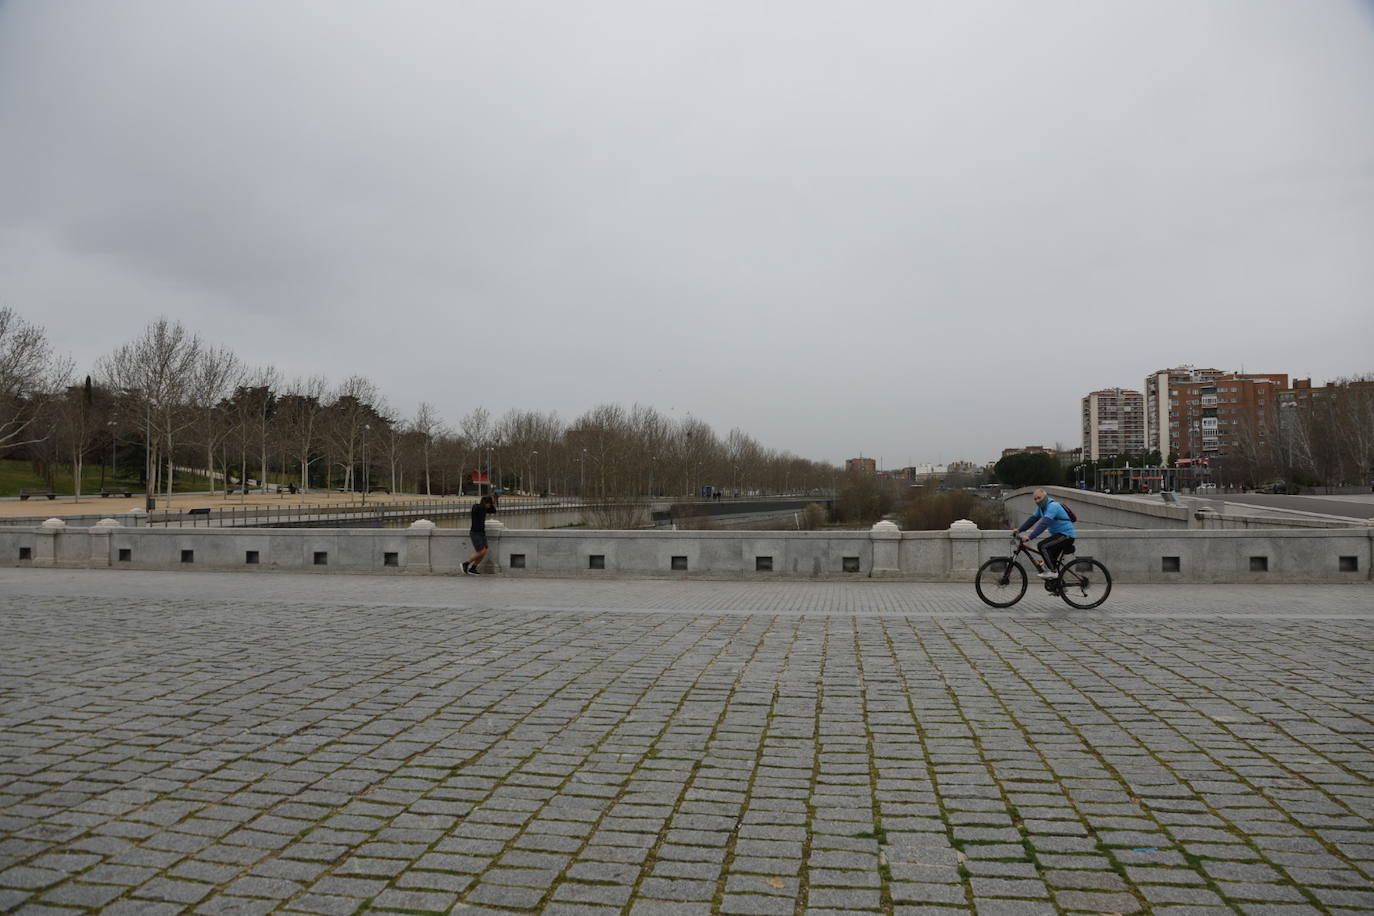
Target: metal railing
374	514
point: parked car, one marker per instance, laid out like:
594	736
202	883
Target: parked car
1206	488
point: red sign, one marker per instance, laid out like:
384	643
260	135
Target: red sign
479	478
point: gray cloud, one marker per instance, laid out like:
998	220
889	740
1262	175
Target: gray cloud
914	231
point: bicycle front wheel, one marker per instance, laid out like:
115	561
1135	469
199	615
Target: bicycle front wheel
1000	582
1084	584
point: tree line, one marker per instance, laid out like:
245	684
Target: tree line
185	408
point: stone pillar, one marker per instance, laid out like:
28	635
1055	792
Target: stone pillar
137	517
495	528
418	541
100	542
964	542
887	540
45	542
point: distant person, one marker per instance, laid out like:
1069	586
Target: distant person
477	533
1050	515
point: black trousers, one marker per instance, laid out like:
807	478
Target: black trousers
1054	547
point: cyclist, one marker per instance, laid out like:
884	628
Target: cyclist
1051	515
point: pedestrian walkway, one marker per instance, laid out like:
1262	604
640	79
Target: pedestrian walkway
240	743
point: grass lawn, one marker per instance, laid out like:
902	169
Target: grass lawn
15	475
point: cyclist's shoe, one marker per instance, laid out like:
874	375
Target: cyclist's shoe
1048	574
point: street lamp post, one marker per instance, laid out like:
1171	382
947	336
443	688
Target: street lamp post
114	450
148	502
534	471
367	428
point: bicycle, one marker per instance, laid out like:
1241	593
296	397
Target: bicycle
1083	582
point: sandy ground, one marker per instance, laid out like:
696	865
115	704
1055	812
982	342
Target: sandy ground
93	505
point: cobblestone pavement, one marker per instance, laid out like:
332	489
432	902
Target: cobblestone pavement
236	743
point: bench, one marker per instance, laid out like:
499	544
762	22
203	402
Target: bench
26	492
203	510
115	491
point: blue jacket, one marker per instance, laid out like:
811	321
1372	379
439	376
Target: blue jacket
1051	516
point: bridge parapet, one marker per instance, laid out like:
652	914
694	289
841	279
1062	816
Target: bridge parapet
1250	556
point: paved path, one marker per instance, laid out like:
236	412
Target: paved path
217	743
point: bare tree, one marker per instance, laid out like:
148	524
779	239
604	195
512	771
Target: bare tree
426	426
155	372
75	419
29	378
217	373
350	411
388	438
477	433
265	380
298	411
1354	415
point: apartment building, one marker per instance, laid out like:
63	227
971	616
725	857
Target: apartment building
1159	435
1225	414
861	466
1113	423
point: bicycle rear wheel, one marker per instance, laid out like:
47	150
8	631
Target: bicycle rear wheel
1084	584
1000	582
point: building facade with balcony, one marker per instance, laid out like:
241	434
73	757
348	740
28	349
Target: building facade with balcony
1230	413
1160	436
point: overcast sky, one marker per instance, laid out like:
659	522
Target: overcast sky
915	231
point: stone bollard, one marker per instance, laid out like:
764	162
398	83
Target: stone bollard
138	517
418	550
100	542
887	541
965	543
45	544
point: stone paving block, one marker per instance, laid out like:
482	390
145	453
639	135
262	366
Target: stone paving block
72	893
754	905
237	906
173	890
323	905
986	907
139	908
649	907
842	898
600	894
915	892
414	901
1098	902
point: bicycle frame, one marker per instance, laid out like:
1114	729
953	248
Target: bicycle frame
1028	548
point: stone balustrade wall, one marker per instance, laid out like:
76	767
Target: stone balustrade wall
1196	556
